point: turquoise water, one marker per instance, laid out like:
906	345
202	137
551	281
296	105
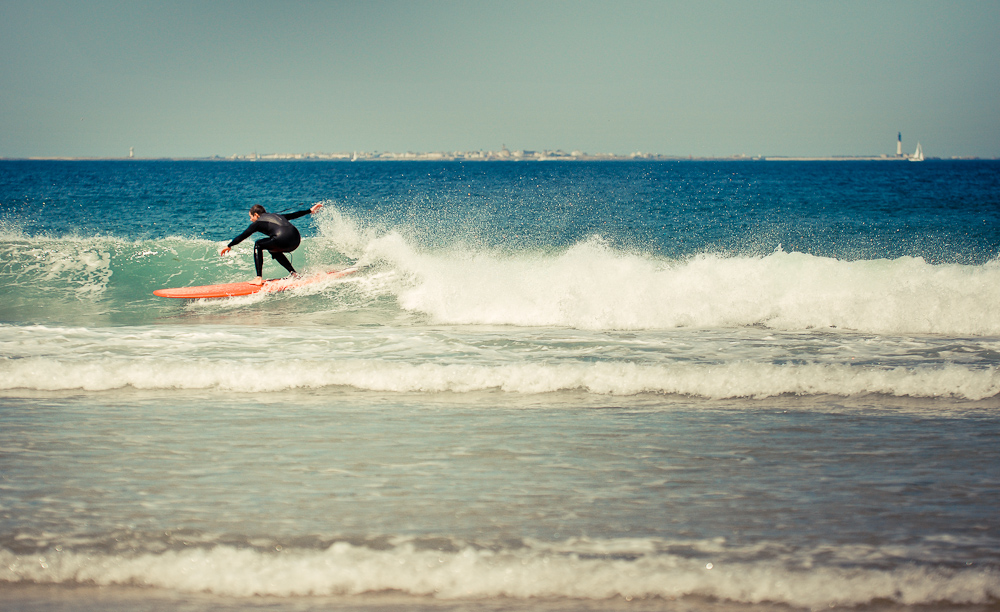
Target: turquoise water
721	386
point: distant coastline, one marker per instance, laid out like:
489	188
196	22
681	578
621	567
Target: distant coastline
503	155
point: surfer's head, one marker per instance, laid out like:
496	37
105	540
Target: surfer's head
256	210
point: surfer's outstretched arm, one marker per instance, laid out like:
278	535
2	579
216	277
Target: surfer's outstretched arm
254	228
302	213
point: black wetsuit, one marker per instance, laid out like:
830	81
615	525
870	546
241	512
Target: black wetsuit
282	237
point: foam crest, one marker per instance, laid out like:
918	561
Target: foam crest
528	572
716	381
72	266
592	286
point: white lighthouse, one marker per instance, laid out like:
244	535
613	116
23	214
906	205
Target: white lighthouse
899	145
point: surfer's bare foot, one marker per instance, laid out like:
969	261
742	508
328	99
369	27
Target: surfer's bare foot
257	281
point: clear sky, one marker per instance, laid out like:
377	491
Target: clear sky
702	78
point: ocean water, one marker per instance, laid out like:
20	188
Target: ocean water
708	386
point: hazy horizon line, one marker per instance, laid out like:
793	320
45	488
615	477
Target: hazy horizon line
391	157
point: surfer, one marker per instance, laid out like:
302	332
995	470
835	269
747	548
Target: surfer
282	237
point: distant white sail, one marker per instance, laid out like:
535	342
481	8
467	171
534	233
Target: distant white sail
919	154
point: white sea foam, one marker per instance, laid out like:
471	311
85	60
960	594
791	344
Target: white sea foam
528	572
591	286
75	266
747	363
743	379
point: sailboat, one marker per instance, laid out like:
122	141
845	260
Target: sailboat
919	154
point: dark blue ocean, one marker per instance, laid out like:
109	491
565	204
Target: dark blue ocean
708	386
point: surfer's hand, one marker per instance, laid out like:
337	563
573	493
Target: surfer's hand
315	207
224	251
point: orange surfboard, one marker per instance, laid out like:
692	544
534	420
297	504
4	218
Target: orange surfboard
234	289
